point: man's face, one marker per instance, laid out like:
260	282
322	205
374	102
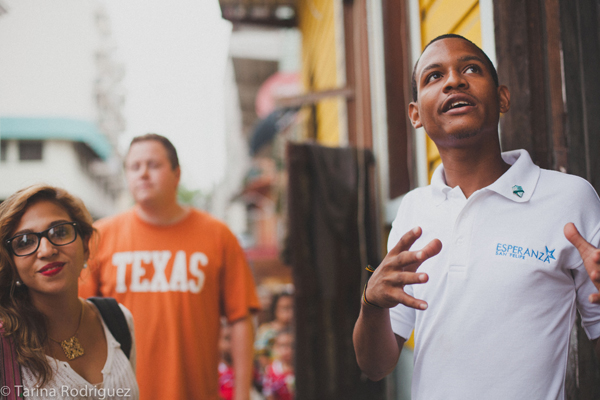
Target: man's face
458	101
150	177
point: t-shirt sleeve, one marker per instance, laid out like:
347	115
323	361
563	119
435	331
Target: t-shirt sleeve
238	291
89	279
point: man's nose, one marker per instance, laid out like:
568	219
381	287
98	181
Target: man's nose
455	80
143	170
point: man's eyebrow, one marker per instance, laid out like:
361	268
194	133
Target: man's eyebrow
430	67
471	58
461	59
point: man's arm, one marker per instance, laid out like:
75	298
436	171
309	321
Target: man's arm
377	347
242	340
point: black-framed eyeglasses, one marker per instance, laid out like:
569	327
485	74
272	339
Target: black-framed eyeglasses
27	243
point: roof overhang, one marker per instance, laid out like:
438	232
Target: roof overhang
76	130
271	13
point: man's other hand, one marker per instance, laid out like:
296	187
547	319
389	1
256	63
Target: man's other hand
590	256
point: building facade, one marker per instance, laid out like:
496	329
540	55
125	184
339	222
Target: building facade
61	103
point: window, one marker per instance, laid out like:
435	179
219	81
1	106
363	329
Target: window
3	149
30	150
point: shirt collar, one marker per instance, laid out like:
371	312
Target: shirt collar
520	179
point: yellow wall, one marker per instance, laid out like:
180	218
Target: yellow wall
317	24
439	17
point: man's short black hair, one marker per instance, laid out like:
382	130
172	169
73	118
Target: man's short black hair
166	143
448	36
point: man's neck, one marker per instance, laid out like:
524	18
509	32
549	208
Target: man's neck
472	170
160	214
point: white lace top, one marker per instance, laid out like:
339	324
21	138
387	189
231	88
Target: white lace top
118	376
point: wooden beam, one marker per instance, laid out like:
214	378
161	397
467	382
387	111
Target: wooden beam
313	97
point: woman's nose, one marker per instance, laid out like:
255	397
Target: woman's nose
45	249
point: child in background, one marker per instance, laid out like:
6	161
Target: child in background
282	314
279	378
225	364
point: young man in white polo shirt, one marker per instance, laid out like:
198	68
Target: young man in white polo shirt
498	283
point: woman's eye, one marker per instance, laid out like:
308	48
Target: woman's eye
59	232
24	241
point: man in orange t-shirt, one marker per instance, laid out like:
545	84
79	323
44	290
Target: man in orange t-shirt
178	270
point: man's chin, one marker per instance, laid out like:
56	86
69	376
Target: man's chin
464	135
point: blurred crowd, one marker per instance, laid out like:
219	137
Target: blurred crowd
273	373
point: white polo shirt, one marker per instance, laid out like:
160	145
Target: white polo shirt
504	291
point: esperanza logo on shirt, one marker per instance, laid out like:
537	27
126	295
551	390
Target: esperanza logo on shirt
509	250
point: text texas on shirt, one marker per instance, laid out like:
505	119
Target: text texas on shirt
177	281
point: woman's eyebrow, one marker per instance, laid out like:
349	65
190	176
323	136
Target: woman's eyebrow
50	225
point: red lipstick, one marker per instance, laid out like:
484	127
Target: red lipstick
52	269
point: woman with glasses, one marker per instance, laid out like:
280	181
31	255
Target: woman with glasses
63	345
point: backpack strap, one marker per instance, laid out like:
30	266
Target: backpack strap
115	321
10	371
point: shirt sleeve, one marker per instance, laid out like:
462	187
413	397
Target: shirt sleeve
130	325
238	291
403	318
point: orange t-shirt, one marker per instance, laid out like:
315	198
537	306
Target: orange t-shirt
177	280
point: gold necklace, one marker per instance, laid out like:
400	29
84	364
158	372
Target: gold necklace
71	346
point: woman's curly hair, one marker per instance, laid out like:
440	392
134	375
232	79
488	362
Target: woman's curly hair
20	319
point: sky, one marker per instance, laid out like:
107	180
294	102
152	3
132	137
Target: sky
175	54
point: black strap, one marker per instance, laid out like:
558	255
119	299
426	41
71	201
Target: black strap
115	321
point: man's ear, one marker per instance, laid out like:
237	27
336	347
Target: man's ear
504	98
413	114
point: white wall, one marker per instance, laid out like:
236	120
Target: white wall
47	63
59	167
48	68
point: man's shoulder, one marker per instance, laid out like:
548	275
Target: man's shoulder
417	196
116	220
197	216
566	185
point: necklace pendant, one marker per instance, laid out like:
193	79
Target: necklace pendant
72	348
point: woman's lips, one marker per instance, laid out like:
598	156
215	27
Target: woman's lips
51	269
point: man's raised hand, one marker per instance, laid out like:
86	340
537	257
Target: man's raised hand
398	269
590	256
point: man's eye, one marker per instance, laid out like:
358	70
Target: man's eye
433	76
472	69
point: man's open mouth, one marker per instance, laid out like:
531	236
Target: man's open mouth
457	102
